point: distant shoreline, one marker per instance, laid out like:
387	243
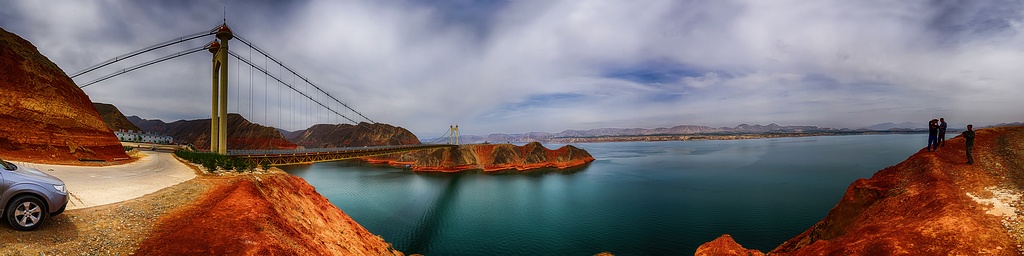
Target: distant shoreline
710	136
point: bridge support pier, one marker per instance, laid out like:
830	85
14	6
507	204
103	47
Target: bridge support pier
219	106
214	112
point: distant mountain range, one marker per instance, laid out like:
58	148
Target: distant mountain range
924	126
1006	124
675	130
242	134
903	125
245	135
686	132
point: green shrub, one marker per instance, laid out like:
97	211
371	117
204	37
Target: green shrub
227	164
211	161
265	164
209	165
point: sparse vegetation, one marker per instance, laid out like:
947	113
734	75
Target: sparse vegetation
265	164
212	161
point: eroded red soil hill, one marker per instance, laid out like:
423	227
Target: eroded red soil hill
346	135
489	157
931	204
46	118
276	214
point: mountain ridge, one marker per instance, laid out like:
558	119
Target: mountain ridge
317	136
242	134
113	117
347	135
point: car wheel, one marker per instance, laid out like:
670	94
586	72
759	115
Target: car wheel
26	213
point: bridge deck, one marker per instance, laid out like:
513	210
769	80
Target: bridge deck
307	156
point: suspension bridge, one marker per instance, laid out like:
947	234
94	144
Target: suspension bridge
316	97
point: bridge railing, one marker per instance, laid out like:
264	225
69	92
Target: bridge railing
314	150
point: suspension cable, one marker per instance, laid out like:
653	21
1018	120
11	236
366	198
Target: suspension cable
237	57
438	140
265	72
265	86
145	50
144	64
246	42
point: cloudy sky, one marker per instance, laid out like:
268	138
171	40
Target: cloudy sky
518	66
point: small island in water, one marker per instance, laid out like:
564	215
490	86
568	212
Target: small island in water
488	157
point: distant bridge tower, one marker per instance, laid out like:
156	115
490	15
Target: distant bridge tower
454	137
219	106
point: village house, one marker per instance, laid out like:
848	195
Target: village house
139	136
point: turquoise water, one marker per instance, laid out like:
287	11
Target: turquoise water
638	198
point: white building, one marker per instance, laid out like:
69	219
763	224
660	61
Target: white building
138	136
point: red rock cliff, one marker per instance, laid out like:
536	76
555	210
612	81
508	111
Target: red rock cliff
490	157
46	118
931	204
275	214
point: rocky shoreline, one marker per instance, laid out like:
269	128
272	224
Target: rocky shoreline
488	158
930	204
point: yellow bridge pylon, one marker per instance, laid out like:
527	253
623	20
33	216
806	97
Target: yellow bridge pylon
453	138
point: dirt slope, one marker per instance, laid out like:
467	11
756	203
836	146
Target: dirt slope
275	214
931	204
46	117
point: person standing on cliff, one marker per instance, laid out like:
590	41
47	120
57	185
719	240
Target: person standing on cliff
969	142
933	135
942	132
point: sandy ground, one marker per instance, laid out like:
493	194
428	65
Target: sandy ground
1001	204
93	186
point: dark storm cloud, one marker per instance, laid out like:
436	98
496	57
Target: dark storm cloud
958	20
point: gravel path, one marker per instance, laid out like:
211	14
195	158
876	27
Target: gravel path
93	185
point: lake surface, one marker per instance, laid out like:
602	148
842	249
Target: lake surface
637	198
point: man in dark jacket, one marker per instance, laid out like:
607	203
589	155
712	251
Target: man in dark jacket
933	135
942	132
969	141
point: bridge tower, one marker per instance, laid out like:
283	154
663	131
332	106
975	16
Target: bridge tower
454	137
219	106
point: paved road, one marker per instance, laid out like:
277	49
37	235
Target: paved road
93	186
